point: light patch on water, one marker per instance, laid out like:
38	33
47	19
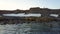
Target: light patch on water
54	15
23	15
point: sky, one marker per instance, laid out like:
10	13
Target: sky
26	4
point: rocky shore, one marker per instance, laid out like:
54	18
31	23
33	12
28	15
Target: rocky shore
16	20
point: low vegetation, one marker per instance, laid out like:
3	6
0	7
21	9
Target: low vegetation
41	19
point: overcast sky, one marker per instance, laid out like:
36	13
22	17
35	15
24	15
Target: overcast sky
26	4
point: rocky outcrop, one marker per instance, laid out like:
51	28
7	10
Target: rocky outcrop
32	10
44	11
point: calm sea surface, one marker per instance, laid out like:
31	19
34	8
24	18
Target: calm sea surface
30	28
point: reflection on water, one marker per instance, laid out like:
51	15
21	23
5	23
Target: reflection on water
23	15
29	28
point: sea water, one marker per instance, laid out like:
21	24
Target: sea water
29	28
